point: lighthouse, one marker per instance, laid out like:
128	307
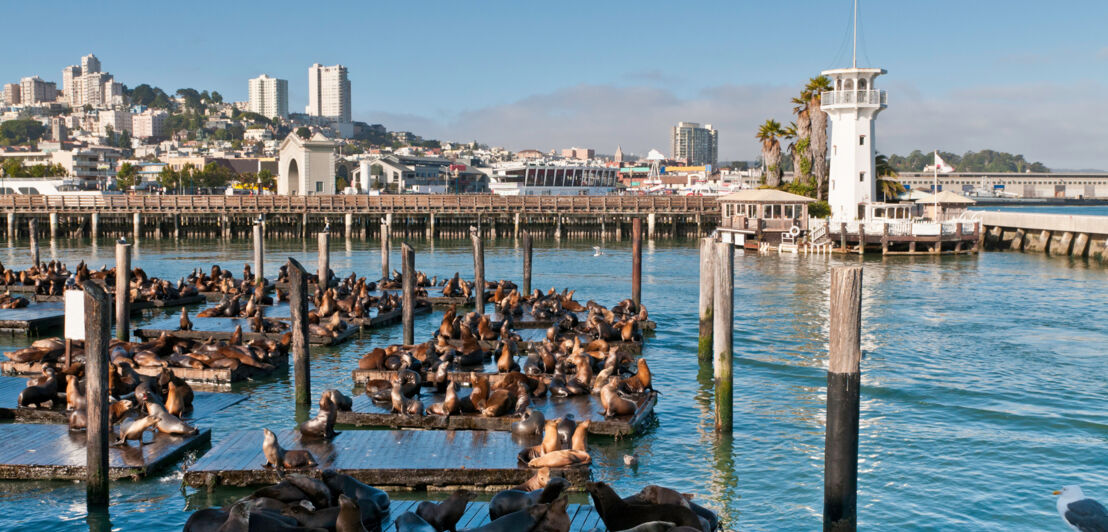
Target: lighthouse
853	105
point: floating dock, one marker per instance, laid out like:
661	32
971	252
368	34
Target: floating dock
204	404
206	376
33	319
52	452
395	459
366	413
223	328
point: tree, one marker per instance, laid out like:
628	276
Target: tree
192	98
771	150
802	132
217	97
266	180
14	132
124	140
127	176
168	178
888	186
303	132
818	145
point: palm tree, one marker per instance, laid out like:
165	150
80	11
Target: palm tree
887	183
802	160
771	150
818	145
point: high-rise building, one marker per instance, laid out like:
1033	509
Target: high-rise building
328	93
11	94
90	64
34	90
149	123
69	80
269	96
87	85
694	144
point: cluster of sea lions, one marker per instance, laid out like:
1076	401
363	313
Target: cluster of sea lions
336	502
8	301
48	278
222	281
563	441
141	287
655	508
396	282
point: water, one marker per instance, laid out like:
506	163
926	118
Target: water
1075	210
983	383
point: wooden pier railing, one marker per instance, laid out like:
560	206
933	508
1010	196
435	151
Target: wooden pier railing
361	204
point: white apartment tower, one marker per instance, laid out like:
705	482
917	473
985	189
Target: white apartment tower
853	105
34	90
69	83
269	97
696	145
87	85
90	64
329	93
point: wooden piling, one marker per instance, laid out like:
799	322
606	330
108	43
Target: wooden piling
636	260
707	291
478	270
840	480
723	317
298	305
259	254
122	290
384	251
32	226
407	262
97	333
322	274
11	225
526	262
53	226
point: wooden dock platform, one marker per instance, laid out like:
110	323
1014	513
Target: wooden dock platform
34	451
204	404
223	328
366	413
33	319
215	378
393	459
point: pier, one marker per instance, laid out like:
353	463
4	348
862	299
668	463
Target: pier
1052	234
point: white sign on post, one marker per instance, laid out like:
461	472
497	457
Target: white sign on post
75	314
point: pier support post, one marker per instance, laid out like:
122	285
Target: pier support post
842	237
558	229
723	316
259	255
840	455
957	237
97	333
636	260
1081	245
861	238
323	274
650	221
407	262
707	291
515	232
478	270
53	225
11	225
32	227
431	227
885	238
526	262
384	251
176	225
137	222
348	224
122	290
94	225
298	305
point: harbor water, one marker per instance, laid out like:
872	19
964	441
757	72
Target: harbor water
983	382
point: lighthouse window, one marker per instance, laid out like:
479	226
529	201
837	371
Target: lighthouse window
861	140
861	176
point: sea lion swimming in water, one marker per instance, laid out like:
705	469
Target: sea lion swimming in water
445	515
277	456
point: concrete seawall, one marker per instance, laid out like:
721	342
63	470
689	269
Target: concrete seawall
1054	234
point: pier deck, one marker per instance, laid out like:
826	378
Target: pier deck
204	404
366	413
33	319
53	452
397	459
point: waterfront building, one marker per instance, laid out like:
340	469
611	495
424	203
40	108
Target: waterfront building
552	178
580	154
695	145
34	90
306	167
763	215
269	97
329	93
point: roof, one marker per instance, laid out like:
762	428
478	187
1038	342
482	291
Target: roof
947	197
766	195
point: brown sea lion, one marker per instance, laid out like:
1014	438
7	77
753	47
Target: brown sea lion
445	515
78	419
178	399
323	424
499	403
185	323
531	425
449	405
350	516
74	393
341	402
581	436
619	515
561	458
37	395
613	403
277	456
508	501
136	429
169	423
118	409
373	360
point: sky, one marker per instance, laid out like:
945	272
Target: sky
1015	75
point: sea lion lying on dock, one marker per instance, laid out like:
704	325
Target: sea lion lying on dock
280	458
620	515
45	390
508	501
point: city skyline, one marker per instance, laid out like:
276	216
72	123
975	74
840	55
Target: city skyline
973	79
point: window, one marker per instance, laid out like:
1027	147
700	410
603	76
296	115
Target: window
319	186
789	211
861	140
861	176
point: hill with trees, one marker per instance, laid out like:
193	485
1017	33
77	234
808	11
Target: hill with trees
980	161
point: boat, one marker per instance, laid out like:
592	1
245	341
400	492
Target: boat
553	179
26	186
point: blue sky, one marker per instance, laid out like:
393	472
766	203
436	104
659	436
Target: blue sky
1019	76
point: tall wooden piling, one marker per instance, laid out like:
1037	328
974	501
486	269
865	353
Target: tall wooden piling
407	265
526	262
723	317
259	254
322	274
97	334
32	227
11	225
636	260
298	305
122	290
707	293
53	225
138	225
840	455
478	270
348	224
94	225
384	251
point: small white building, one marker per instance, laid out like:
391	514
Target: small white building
306	167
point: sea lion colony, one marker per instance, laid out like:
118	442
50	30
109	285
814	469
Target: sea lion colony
48	278
54	277
341	503
166	351
156	402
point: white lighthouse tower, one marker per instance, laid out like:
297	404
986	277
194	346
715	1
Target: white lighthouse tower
853	105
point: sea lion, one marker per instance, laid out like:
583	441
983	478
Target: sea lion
316	490
619	515
525	519
284	492
581	435
449	405
613	403
185	323
178	399
206	520
561	458
278	457
323	424
341	402
566	426
78	419
135	430
324	518
118	409
508	501
45	392
374	503
498	404
531	424
74	393
410	522
654	494
445	515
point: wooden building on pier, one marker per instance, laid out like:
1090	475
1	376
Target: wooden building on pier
750	218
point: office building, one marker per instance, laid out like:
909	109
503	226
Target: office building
269	97
328	93
695	145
